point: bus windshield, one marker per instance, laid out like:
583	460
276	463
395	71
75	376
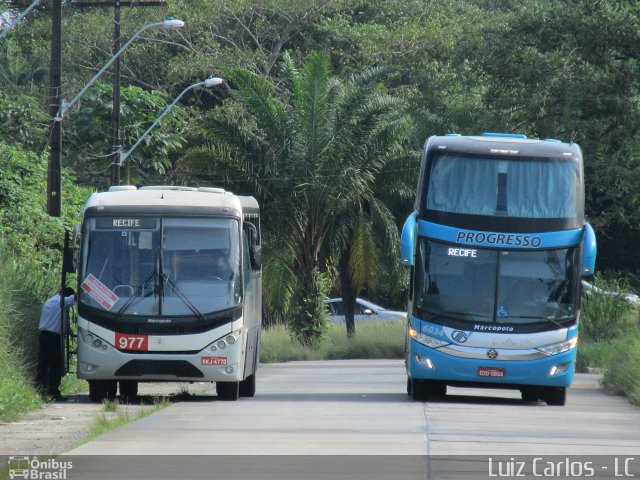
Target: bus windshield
160	266
523	187
482	285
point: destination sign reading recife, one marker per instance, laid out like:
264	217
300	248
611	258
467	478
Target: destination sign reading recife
126	223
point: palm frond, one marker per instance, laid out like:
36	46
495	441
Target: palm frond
363	259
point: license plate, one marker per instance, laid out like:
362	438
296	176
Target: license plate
213	360
491	372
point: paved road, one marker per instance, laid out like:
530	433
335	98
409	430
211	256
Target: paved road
360	408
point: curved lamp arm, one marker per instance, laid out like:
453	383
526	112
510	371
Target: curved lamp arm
170	24
209	82
12	25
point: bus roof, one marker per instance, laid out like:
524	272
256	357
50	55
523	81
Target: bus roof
171	196
510	145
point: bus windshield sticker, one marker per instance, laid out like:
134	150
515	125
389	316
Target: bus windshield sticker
99	292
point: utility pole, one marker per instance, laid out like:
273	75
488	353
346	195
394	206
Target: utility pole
116	139
115	112
54	171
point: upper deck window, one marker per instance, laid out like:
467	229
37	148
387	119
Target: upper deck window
522	187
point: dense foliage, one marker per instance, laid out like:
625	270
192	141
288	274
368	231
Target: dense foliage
564	69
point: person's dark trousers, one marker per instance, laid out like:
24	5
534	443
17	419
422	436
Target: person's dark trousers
49	369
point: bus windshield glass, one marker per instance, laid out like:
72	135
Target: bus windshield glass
160	266
482	285
515	187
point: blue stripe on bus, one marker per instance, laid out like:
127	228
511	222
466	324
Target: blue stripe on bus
479	238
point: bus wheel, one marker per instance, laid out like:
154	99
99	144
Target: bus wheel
128	390
228	390
248	386
531	394
422	390
555	396
98	390
112	389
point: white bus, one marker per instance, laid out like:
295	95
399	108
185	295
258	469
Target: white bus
169	289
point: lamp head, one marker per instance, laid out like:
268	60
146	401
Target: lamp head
172	23
212	82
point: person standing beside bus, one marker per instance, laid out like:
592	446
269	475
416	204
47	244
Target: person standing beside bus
49	370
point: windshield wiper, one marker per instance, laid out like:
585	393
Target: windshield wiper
548	319
141	288
165	278
183	297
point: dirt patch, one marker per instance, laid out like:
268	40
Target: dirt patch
57	427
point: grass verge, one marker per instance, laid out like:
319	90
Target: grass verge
19	315
622	375
610	338
373	340
122	416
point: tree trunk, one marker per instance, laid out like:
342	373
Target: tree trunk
348	295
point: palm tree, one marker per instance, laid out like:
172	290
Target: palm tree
310	148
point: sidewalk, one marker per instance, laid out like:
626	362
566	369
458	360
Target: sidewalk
56	427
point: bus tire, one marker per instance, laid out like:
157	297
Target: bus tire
422	390
112	389
228	390
98	390
128	390
248	386
530	394
555	396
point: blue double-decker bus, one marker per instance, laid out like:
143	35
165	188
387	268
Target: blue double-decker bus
497	245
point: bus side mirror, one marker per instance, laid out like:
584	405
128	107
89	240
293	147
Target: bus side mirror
255	256
589	251
255	249
407	241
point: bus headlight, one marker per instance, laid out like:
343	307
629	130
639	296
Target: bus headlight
93	341
222	343
426	340
558	348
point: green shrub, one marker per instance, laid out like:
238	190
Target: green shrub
19	315
622	375
592	355
605	316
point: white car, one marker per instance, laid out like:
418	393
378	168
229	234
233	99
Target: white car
364	310
631	298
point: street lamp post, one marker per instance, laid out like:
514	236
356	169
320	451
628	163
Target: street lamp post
170	24
208	83
59	107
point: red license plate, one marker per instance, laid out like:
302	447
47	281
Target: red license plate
132	342
491	372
